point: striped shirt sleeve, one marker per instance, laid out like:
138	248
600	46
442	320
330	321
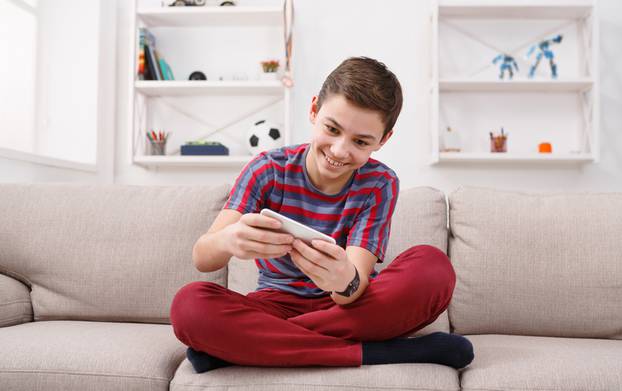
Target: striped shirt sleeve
249	192
373	224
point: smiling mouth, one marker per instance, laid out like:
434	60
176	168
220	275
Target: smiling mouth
332	162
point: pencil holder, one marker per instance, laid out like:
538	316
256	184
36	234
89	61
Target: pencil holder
156	147
499	144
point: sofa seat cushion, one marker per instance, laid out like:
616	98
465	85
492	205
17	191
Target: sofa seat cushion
511	362
68	355
392	377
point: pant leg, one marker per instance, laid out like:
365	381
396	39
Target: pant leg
246	330
406	296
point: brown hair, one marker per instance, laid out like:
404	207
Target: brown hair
367	83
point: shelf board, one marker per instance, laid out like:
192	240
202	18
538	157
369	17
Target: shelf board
206	87
516	9
192	161
211	16
463	85
514	157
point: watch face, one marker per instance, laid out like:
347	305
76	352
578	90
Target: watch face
352	286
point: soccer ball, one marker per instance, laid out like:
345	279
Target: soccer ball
263	136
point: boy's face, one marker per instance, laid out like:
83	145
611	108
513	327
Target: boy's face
344	136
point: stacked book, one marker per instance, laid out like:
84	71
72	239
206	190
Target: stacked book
151	66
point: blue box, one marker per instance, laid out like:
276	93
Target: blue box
202	150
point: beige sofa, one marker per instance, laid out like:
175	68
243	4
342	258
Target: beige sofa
87	274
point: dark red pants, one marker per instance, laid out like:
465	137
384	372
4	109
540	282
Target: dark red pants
274	328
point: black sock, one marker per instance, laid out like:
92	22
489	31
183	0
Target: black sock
437	348
203	362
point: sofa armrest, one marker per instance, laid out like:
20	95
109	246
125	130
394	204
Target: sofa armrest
15	304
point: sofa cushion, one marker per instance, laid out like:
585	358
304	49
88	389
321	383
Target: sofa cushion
420	217
112	252
510	362
536	264
393	377
71	355
15	307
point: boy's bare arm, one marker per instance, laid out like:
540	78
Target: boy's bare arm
209	253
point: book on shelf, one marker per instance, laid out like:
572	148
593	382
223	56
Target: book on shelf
148	64
167	72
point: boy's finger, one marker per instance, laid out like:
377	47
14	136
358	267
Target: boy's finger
308	253
271	237
328	248
260	221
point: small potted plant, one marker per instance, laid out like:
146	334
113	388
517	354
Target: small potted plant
270	68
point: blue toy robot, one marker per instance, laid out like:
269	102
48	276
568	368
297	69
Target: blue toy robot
507	63
547	53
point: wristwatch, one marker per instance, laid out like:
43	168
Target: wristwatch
352	286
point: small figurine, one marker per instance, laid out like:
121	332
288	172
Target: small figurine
189	3
544	50
507	63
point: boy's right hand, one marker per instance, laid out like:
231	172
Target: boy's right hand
254	236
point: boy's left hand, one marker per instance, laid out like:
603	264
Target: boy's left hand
324	263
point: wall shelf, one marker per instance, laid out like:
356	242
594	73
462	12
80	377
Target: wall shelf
469	98
210	16
466	85
227	44
516	9
199	87
514	157
192	161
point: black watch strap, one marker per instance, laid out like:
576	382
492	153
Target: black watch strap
353	286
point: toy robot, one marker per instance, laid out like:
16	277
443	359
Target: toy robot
507	63
544	50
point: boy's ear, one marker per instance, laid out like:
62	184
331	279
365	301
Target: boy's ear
313	110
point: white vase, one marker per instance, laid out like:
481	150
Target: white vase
268	76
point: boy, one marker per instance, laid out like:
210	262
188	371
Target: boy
319	303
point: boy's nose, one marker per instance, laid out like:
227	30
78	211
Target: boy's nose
339	150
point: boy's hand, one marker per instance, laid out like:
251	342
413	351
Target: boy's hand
324	263
253	237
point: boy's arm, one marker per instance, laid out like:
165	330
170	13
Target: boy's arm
209	253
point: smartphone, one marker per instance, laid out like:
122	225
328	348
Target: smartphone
297	230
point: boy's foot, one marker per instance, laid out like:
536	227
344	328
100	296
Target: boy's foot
203	362
437	348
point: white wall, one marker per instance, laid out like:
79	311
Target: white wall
397	33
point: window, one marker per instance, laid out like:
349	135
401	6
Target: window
49	85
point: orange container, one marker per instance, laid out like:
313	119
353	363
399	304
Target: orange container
545	148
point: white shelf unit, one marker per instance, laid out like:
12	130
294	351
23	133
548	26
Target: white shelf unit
476	95
143	93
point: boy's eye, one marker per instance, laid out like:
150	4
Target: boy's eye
361	143
331	129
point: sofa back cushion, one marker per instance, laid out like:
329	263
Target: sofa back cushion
420	217
536	264
112	252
